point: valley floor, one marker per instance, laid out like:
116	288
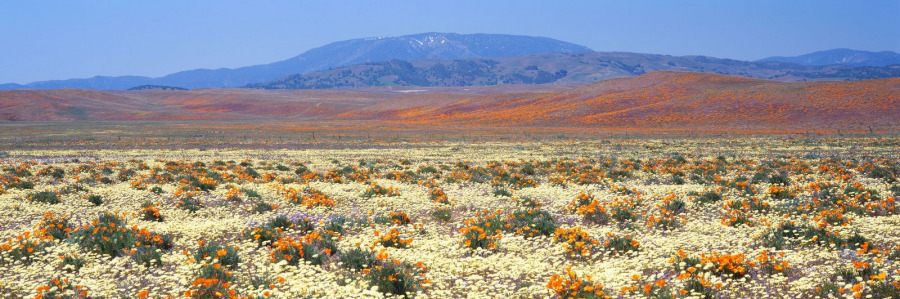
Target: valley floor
521	216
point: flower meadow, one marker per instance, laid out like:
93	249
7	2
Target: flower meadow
598	218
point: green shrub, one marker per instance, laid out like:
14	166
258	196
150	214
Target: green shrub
74	188
71	263
20	185
62	288
150	212
391	278
709	197
314	248
48	197
282	222
53	172
676	206
529	203
211	280
336	225
788	235
259	281
624	213
357	259
301	170
262	207
532	223
250	193
25	251
883	289
695	287
190	204
226	256
156	190
95	199
394	239
56	227
620	245
263	235
828	290
400	218
378	190
502	192
442	214
148	256
109	235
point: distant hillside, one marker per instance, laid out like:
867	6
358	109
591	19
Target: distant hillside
156	87
557	67
417	46
842	57
667	100
655	101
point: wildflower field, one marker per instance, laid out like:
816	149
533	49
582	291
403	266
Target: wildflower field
749	217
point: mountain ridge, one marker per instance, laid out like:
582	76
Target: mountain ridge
336	54
842	56
414	48
584	67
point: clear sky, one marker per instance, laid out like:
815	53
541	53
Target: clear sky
42	40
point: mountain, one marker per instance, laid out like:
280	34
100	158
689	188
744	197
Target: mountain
449	59
582	67
417	46
842	57
156	87
655	101
98	82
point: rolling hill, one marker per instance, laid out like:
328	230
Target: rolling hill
653	101
671	100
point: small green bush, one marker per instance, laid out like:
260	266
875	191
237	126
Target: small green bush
109	235
250	193
156	190
48	197
226	256
71	263
709	197
391	278
56	227
442	214
150	212
190	204
262	207
263	235
95	199
532	223
400	218
357	259
502	192
21	185
148	256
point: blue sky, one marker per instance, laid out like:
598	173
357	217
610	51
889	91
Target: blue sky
42	40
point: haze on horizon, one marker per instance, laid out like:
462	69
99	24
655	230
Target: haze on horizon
46	40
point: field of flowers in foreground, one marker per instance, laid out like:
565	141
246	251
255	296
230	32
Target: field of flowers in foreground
587	219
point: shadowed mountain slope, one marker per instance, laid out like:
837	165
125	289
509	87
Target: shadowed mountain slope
585	67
